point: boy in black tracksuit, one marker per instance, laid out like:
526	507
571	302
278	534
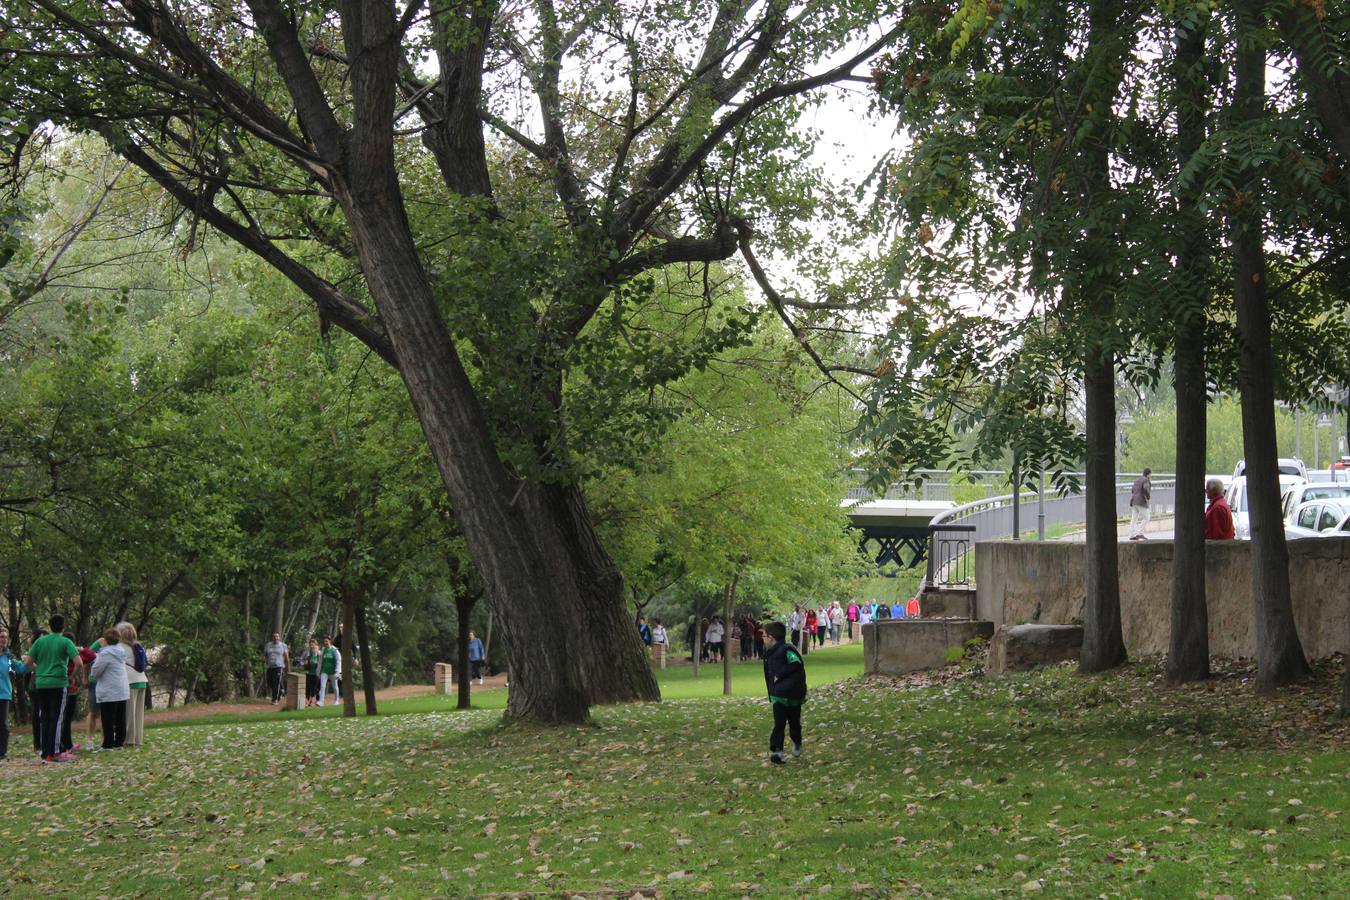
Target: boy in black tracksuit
785	676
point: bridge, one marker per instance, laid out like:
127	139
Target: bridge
914	524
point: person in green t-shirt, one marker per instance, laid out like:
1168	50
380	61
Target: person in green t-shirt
50	657
330	667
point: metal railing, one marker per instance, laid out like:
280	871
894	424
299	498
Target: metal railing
950	555
992	518
937	484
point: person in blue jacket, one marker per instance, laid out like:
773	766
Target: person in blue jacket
475	658
785	677
8	663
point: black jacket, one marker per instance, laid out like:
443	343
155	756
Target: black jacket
784	678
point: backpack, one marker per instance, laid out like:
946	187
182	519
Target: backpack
139	660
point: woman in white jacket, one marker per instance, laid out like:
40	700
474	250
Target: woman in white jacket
113	690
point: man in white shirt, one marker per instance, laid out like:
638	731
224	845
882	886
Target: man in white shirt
278	657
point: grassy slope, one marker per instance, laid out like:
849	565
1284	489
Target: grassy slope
1040	782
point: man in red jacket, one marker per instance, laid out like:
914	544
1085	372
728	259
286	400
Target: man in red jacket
1218	517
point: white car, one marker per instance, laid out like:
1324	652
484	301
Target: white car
1238	502
1317	490
1320	518
1288	465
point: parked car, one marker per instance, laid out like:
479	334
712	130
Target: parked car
1320	518
1317	490
1288	465
1238	502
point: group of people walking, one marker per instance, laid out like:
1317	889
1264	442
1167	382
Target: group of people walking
321	663
816	625
112	668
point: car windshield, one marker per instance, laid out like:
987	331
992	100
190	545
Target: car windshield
1290	470
1323	493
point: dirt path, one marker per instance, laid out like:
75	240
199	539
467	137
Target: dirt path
263	707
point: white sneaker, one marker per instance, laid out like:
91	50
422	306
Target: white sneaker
796	749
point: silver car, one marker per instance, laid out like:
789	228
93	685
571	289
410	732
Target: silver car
1319	518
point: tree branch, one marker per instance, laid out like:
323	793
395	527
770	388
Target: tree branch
803	340
666	175
331	303
311	104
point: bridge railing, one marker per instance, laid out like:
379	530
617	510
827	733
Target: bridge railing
951	557
992	518
937	484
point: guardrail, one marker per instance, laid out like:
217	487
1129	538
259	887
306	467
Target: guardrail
937	484
992	518
950	556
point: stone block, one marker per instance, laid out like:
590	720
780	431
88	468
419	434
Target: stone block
444	680
897	646
295	690
1017	648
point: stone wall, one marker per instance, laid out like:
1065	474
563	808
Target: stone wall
897	646
1029	581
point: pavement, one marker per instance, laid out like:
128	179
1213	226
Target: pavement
1160	528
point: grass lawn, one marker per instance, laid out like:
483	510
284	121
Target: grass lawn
1044	783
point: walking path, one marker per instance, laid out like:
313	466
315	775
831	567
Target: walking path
257	706
1159	529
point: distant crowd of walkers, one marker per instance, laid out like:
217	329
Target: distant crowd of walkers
807	626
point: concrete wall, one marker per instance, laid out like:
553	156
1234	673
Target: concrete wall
1028	581
897	646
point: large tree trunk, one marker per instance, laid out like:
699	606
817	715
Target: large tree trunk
314	610
367	666
1279	654
532	545
348	670
1103	642
1188	650
464	604
728	610
21	700
248	641
279	612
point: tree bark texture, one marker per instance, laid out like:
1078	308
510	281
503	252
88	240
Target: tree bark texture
367	665
348	670
1279	653
728	611
279	613
1188	649
1103	640
696	645
248	641
464	604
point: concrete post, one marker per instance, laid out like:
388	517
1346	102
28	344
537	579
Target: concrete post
444	679
295	690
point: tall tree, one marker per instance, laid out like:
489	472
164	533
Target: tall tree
1188	649
1279	652
282	126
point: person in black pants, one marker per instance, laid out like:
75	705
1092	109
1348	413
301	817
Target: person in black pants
50	657
785	677
110	670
